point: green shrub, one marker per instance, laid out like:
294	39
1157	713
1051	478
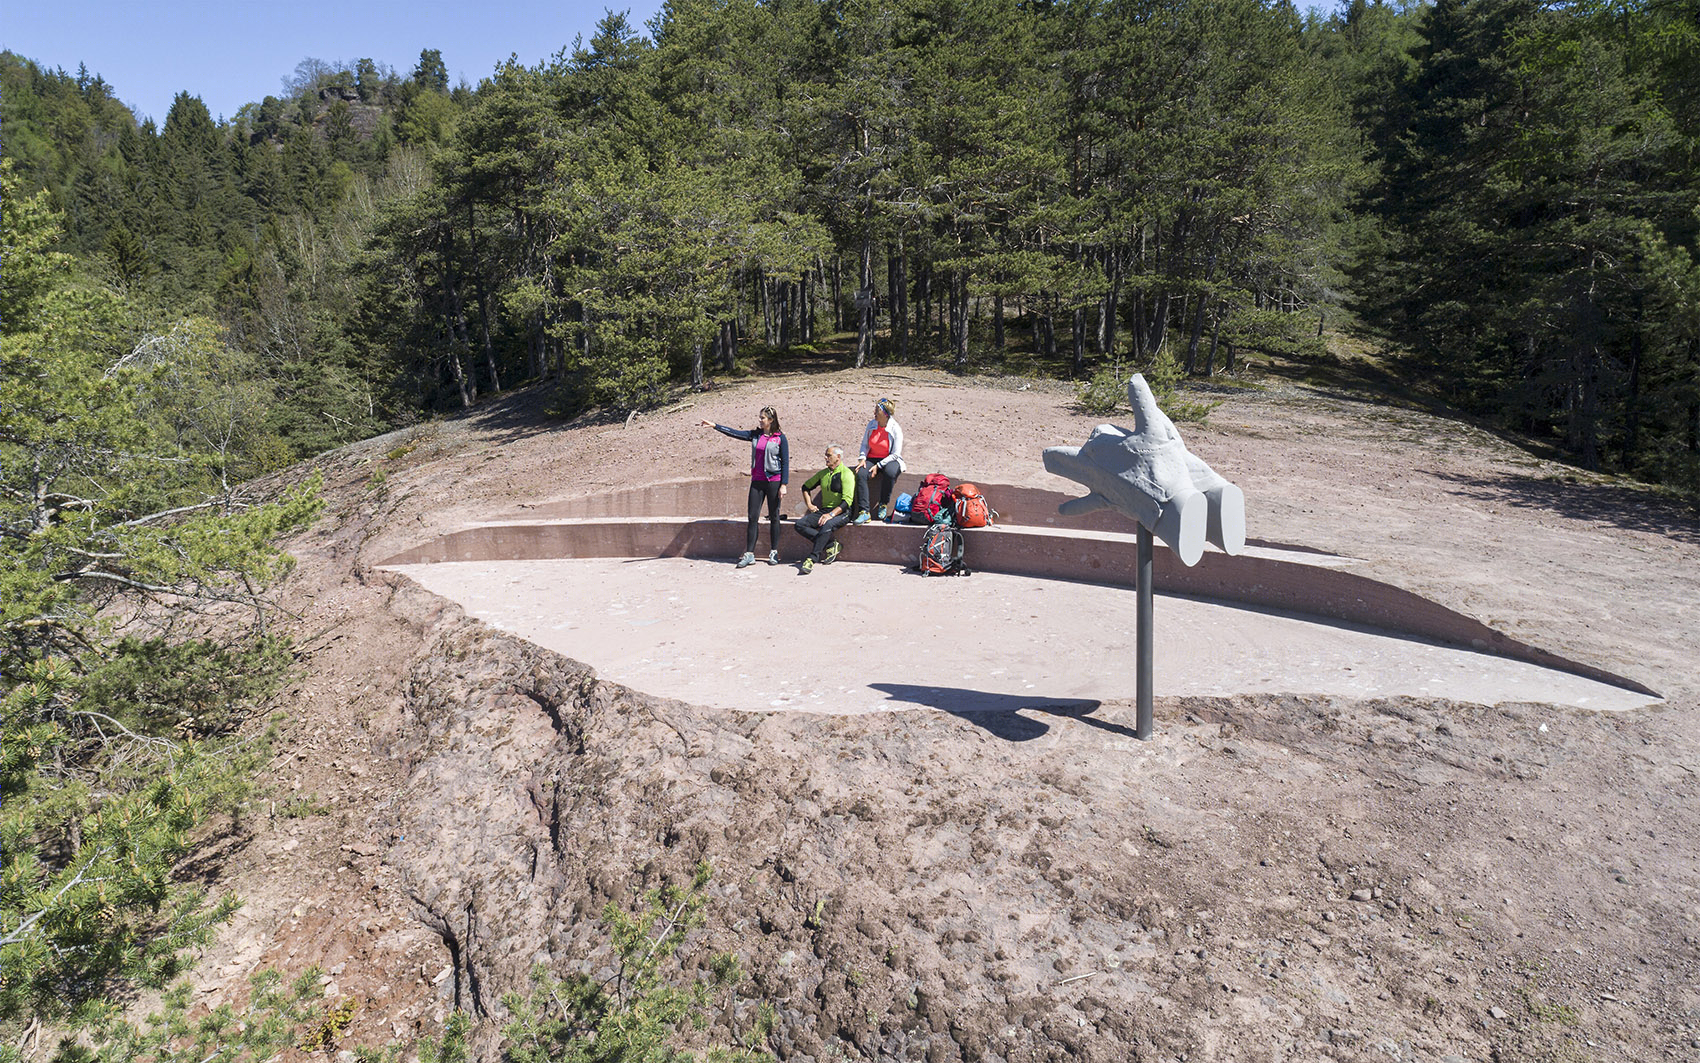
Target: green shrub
637	1013
1106	392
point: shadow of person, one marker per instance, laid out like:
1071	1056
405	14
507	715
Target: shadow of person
1008	716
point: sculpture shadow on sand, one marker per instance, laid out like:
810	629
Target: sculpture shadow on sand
1008	716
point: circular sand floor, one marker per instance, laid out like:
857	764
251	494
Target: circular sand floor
857	638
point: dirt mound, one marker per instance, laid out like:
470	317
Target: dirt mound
1272	877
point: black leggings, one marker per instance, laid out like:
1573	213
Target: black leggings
759	491
886	470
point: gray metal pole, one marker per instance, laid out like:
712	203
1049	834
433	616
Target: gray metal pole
1142	683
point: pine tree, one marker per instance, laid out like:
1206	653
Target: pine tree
123	550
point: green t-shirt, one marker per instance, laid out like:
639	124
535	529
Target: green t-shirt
837	486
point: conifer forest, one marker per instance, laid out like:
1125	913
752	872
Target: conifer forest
1502	197
1504	192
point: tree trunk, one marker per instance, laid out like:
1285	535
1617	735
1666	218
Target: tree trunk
1587	334
456	371
1170	254
455	317
941	334
769	326
1196	335
959	317
1138	300
837	283
783	312
459	341
489	351
536	346
1159	324
1045	328
557	365
1632	408
483	296
997	322
865	302
1590	408
806	305
1107	314
1079	340
1197	331
923	305
1215	334
899	290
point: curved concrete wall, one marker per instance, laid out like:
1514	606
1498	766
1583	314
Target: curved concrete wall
689	519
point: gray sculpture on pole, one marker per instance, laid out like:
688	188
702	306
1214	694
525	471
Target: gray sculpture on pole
1149	475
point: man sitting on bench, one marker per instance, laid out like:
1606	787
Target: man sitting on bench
837	483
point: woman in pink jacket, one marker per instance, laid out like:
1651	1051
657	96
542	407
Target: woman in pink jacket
770	471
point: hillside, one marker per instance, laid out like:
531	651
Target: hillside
1271	877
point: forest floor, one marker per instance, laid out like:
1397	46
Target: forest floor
1273	876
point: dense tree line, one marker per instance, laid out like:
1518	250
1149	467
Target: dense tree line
1503	187
252	223
1536	194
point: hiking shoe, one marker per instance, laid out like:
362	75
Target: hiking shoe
808	566
831	554
773	557
861	518
884	513
746	561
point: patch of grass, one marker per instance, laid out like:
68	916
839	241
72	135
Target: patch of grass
301	807
328	1032
1544	1010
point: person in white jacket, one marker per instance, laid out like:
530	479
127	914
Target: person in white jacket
880	463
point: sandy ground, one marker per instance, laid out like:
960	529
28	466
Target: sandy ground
705	633
1280	874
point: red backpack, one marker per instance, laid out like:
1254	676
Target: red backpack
971	508
942	550
931	498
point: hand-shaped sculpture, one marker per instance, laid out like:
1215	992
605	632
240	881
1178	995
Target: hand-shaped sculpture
1149	475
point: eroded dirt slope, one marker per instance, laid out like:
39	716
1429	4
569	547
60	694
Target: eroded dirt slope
1270	878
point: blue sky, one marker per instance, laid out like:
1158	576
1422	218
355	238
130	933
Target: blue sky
231	52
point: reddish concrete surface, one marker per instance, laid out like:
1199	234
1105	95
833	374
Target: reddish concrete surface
765	639
1049	616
